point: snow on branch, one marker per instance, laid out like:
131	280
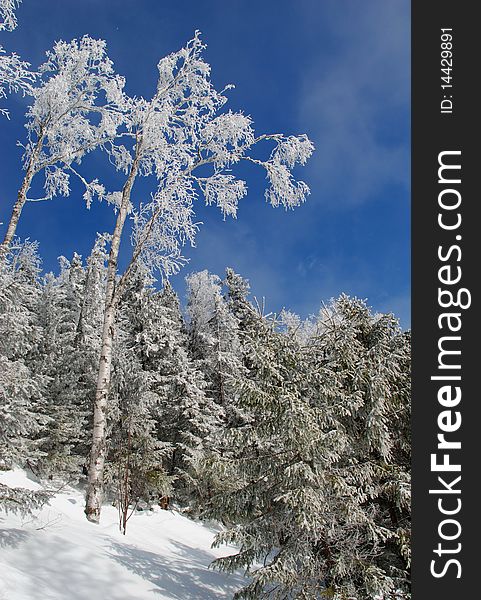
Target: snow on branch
8	19
20	500
162	226
223	190
283	188
184	138
15	74
74	111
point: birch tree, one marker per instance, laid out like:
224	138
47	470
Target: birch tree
74	111
15	73
70	314
214	338
182	140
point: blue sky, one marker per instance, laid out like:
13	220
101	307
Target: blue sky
337	70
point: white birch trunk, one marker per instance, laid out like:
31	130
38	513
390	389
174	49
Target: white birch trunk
21	199
94	491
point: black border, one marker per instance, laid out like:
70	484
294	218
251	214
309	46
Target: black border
432	133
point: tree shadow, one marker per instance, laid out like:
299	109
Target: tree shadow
185	576
11	538
66	571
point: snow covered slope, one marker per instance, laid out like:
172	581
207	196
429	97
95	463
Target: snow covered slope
59	555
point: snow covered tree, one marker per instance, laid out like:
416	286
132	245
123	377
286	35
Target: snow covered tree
72	113
274	484
8	18
316	486
15	74
238	290
135	468
214	338
182	139
58	313
21	390
21	501
135	463
22	415
184	415
372	355
69	313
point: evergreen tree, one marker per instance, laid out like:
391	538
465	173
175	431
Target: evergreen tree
20	500
58	313
238	290
135	468
21	389
22	415
316	486
70	315
81	368
372	355
214	339
186	416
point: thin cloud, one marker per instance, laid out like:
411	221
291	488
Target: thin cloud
358	105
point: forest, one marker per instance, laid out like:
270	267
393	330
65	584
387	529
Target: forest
292	433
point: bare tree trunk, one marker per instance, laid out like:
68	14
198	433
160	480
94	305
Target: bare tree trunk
99	436
22	192
17	209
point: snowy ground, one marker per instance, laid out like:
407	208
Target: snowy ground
59	555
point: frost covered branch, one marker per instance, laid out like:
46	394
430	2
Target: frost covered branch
74	111
8	19
15	74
